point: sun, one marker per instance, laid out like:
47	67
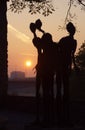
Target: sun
28	63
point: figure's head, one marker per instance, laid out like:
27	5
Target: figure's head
71	28
47	37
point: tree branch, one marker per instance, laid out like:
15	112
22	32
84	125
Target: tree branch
80	1
34	6
68	11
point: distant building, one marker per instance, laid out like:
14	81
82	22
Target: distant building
17	75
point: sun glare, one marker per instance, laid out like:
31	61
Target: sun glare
28	63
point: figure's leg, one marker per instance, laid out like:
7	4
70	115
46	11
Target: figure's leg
38	83
66	96
59	97
46	82
51	96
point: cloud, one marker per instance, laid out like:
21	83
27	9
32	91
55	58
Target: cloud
23	37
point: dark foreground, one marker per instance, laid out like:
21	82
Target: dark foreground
19	112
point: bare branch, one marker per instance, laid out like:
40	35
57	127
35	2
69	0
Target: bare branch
68	11
81	2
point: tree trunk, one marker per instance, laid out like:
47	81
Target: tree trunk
3	50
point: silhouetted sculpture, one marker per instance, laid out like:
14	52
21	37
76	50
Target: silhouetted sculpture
37	43
48	71
45	71
67	48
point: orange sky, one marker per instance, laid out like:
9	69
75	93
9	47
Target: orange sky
20	47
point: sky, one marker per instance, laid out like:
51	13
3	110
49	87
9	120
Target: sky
20	47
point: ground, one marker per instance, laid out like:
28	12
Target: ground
15	118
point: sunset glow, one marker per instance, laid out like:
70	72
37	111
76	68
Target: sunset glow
22	54
28	63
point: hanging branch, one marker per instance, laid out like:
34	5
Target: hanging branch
69	15
68	11
80	2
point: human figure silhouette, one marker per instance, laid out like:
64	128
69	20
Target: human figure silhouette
45	71
37	43
48	67
67	47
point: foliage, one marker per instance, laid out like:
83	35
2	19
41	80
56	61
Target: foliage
44	7
80	57
34	6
